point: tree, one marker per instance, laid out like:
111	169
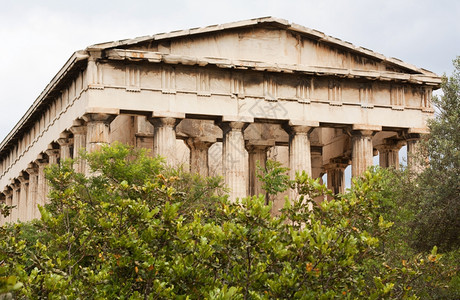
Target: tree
437	189
138	230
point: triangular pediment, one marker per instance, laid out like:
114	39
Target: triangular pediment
267	40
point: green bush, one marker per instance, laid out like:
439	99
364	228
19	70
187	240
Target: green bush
137	230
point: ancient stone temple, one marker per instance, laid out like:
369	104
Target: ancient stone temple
219	99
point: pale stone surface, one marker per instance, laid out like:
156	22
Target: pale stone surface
164	138
65	144
336	177
362	151
412	149
257	151
327	100
97	130
199	148
233	157
32	209
79	138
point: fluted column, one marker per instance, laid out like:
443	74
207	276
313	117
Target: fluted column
389	154
97	130
335	177
79	142
15	185
233	158
42	190
164	138
23	195
65	143
413	147
362	151
53	155
53	159
8	192
32	210
257	152
199	154
299	150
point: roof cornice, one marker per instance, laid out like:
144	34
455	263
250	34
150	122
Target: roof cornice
76	57
157	57
276	22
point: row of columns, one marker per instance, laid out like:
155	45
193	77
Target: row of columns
93	130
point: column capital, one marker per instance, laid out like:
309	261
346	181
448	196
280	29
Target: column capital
412	136
15	184
390	144
259	145
32	169
300	127
105	118
202	143
336	165
23	177
164	121
52	152
362	133
228	126
7	191
78	127
65	139
42	159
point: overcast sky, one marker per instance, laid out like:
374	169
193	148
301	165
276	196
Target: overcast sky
37	37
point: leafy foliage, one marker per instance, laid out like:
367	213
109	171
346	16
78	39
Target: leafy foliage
135	229
437	188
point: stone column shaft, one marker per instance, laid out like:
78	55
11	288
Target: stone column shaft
65	143
413	145
199	155
257	152
42	190
53	156
9	201
15	202
97	130
299	150
79	143
23	195
336	178
32	210
362	151
233	159
389	158
164	138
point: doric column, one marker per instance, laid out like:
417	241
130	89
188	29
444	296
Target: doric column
199	154
257	152
16	186
8	192
362	151
32	209
299	150
413	145
233	158
335	176
317	168
42	190
164	138
53	155
65	144
79	142
389	153
23	195
97	130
